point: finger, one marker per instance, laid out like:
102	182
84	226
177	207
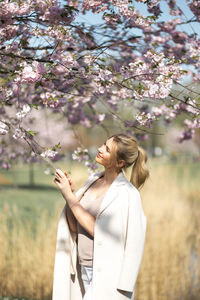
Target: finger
72	188
56	179
57	176
70	182
61	177
59	172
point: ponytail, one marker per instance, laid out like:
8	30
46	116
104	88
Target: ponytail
129	151
139	172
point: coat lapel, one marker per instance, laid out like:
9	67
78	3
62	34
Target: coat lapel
82	190
112	192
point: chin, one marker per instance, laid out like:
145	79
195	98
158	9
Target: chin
98	160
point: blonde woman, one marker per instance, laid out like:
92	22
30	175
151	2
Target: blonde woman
101	231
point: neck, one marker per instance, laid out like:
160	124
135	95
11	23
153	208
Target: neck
109	176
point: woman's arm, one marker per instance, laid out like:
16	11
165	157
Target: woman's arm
71	219
85	219
78	213
69	215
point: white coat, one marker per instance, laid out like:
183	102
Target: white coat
119	237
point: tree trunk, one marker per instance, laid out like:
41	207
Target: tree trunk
31	175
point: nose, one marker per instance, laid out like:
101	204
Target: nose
100	149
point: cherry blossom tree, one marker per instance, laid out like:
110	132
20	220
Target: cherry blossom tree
49	58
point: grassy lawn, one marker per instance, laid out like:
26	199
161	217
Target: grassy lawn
17	193
31	201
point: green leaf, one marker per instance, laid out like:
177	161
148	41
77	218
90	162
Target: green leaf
31	132
57	146
70	8
33	105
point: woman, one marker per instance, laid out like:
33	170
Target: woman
101	231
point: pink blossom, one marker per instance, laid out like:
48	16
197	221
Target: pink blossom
157	111
18	134
25	8
39	68
5	165
170	24
3	128
92	4
124	93
178	36
91	166
176	12
88	58
25	110
86	122
144	119
9	31
186	135
191	125
59	32
101	117
80	154
49	153
29	75
60	69
12	7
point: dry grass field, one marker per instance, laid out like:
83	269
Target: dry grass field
171	263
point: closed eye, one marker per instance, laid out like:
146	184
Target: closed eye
107	148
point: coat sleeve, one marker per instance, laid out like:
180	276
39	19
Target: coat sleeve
134	243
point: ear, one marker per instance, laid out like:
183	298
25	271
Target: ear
121	163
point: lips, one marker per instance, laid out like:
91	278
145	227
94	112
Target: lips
98	155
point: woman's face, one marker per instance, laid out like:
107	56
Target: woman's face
107	154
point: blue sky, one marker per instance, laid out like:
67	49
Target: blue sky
91	18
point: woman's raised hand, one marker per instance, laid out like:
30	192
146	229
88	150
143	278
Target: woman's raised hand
70	182
64	183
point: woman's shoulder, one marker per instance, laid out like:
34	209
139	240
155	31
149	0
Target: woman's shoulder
127	191
126	185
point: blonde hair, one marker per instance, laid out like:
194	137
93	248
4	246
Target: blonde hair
131	153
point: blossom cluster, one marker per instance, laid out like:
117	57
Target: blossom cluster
19	134
86	72
3	128
23	112
154	73
82	155
49	153
195	8
32	73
